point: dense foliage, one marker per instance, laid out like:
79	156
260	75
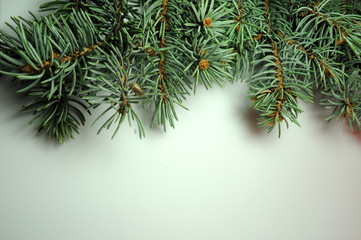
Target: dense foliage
119	53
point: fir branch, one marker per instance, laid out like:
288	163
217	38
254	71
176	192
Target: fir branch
345	101
275	90
27	68
162	73
342	26
112	82
48	59
162	45
323	68
209	55
88	53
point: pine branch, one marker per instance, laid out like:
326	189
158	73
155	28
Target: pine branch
283	78
112	82
89	53
48	59
162	72
345	100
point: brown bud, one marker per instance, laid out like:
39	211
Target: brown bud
28	69
208	22
204	64
56	55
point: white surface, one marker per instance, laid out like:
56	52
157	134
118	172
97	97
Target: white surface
212	178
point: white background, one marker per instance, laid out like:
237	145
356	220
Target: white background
215	177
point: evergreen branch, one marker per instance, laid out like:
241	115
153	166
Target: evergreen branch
209	63
112	82
88	53
27	68
58	118
48	59
345	100
275	90
324	68
342	25
163	72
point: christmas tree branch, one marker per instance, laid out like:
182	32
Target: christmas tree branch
121	54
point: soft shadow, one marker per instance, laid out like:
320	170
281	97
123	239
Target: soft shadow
250	117
320	113
355	133
13	103
10	97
